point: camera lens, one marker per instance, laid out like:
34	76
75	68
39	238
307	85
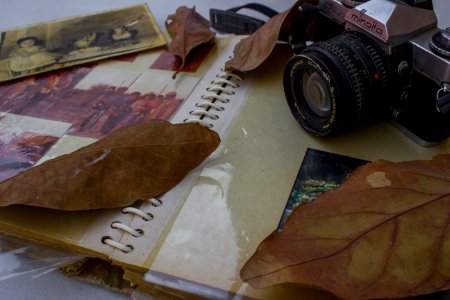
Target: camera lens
336	84
315	91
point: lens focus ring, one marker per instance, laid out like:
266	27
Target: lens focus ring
345	78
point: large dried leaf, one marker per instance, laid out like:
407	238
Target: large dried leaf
188	29
135	162
385	233
251	52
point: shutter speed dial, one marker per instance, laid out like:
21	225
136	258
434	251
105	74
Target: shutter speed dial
440	43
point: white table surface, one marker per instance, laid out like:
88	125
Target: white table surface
16	13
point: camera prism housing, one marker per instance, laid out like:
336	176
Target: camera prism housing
356	61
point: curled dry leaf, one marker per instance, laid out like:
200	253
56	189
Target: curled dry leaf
385	233
188	29
252	51
132	163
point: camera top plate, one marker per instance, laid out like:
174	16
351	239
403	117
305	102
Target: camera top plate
435	67
392	23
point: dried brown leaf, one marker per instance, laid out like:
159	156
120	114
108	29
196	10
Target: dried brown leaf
188	30
252	51
385	233
132	163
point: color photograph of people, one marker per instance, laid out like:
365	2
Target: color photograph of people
22	151
93	112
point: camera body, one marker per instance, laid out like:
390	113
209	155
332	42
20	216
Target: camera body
357	60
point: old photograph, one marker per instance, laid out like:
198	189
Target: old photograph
54	45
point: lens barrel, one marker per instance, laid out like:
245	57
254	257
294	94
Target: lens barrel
336	84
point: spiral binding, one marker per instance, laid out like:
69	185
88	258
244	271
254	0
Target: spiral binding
208	109
215	99
135	232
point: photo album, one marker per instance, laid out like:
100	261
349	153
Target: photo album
46	115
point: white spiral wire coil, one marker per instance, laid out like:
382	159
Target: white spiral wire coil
215	99
135	232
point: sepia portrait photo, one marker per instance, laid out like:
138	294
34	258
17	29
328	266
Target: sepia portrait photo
54	45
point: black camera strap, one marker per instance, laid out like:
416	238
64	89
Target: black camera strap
230	21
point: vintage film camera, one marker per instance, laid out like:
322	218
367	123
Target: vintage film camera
359	60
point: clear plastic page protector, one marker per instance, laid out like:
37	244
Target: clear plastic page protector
22	258
240	197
